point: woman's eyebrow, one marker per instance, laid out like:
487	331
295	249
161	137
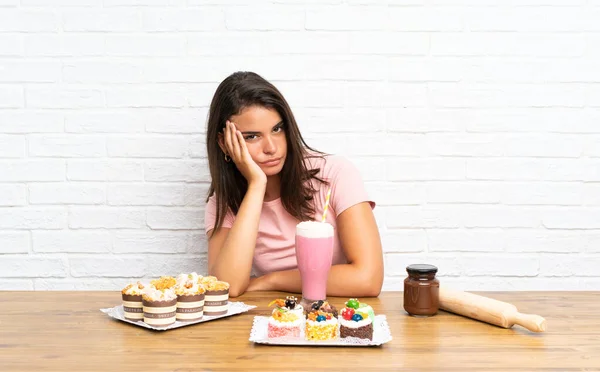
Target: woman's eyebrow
255	133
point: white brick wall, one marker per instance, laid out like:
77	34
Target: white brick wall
475	124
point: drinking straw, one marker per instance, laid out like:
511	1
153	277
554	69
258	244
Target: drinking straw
326	204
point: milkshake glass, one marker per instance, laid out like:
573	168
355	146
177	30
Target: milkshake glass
314	253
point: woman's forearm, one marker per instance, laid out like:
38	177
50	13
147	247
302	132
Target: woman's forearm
344	281
234	261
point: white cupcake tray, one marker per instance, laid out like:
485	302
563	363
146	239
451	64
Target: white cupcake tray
259	335
234	309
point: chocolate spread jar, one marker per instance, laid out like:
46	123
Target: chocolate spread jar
421	290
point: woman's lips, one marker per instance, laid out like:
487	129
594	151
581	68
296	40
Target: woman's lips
271	163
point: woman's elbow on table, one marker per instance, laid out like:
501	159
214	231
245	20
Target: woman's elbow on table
236	291
371	284
371	289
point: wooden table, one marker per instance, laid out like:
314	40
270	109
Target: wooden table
65	331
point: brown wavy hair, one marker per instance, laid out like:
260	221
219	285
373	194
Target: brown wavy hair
237	92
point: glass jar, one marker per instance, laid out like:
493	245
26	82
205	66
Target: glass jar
421	290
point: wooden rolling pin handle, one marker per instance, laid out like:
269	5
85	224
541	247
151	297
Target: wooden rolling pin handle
532	322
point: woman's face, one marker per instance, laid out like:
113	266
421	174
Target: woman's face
264	133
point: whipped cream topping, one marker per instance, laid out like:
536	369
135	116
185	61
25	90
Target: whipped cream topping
354	324
182	278
189	287
154	294
134	289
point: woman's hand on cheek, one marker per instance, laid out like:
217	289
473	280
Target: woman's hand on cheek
236	145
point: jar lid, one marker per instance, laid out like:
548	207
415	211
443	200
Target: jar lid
421	269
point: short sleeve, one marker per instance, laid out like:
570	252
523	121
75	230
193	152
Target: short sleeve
210	216
347	186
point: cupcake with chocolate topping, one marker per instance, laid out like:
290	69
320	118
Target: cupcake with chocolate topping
216	297
190	298
160	306
356	321
132	301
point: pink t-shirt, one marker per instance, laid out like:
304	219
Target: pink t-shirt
275	243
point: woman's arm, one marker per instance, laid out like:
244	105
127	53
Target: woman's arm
230	251
361	277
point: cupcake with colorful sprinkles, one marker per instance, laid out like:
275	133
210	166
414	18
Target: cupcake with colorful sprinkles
321	326
356	321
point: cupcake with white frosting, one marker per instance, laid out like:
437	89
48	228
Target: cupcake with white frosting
216	300
132	301
160	306
190	297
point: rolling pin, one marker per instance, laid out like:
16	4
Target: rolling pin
488	310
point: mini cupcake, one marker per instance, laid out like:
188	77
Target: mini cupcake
160	306
216	300
132	301
285	320
321	326
355	321
190	298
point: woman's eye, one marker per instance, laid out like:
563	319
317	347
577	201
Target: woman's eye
250	137
278	129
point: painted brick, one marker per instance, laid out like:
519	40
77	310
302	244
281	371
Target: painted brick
171	194
68	146
106	266
175	218
106	217
176	171
71	241
28	266
14	242
27	218
13	195
150	242
67	193
147	147
105	170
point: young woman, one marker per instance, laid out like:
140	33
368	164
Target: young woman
265	180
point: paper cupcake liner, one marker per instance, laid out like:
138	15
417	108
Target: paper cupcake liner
160	313
190	307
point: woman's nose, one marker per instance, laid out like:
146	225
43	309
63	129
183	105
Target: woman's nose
270	146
